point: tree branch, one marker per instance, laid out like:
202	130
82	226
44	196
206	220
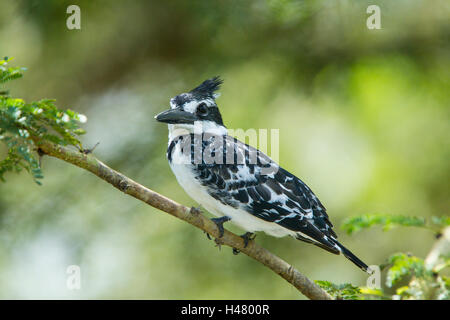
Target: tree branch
441	247
194	217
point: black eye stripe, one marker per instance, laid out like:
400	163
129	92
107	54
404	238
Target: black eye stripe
214	115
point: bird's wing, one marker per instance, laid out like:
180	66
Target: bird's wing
267	191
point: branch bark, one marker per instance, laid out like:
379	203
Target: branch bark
194	217
441	247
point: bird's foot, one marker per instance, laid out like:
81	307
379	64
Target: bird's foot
219	223
218	242
195	210
247	237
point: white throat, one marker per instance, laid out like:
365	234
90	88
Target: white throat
198	127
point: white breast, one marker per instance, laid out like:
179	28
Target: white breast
184	173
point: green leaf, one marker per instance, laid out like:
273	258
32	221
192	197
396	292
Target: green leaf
372	292
404	265
355	224
20	122
344	291
8	73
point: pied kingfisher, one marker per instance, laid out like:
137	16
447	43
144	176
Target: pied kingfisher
237	182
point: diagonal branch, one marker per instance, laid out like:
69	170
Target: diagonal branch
194	217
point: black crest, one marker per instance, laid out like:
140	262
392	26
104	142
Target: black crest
207	88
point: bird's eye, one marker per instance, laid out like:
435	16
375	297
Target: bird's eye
202	109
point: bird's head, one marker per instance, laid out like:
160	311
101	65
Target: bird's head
195	109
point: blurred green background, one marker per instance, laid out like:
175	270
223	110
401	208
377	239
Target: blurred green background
363	118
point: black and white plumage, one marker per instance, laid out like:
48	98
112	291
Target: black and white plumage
230	178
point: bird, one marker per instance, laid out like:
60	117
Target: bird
237	182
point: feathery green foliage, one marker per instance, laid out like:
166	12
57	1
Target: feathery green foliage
355	224
403	265
422	282
20	122
345	291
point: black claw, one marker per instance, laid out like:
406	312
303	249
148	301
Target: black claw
219	223
218	243
195	210
247	237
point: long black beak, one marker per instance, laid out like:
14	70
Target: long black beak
176	116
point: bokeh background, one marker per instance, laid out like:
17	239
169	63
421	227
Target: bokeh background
363	118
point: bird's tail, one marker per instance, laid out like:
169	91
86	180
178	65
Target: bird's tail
350	256
334	246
